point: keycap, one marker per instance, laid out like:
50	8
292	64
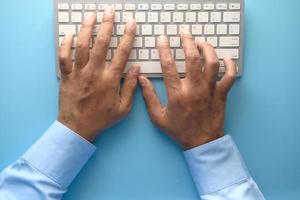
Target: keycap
108	55
234	29
99	16
229	41
129	6
184	27
221	6
190	16
154	54
195	6
165	17
102	6
182	6
76	17
66	29
90	6
200	39
153	17
169	7
215	17
203	17
174	42
113	42
140	17
132	55
117	17
231	16
146	29
221	29
159	29
143	54
172	29
213	41
120	29
177	16
87	14
234	6
63	6
156	6
63	17
232	53
138	42
179	54
196	29
208	6
118	6
76	6
209	29
143	6
126	16
149	41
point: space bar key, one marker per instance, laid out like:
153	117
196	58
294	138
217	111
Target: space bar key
153	67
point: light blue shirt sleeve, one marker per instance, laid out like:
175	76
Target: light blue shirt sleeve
220	173
47	169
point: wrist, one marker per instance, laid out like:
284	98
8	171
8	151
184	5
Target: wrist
201	139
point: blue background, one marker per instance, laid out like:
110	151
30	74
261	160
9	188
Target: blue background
134	159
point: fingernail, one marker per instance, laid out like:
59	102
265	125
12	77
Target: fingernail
184	32
143	81
109	10
162	38
136	70
130	22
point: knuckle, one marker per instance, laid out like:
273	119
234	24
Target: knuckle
82	44
213	63
168	61
194	58
103	40
123	49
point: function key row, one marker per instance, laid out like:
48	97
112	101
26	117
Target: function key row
129	6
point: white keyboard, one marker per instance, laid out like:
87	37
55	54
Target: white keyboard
218	22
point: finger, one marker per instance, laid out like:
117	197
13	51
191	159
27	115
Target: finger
83	41
103	37
151	99
228	79
129	87
65	60
211	62
168	66
192	56
120	58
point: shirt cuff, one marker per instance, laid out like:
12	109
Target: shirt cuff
216	165
60	154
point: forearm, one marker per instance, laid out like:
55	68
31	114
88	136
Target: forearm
219	172
47	169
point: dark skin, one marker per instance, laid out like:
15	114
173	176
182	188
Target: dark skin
91	98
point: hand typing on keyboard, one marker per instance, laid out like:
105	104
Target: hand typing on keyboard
195	111
90	95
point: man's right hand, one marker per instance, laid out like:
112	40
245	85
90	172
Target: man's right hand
195	111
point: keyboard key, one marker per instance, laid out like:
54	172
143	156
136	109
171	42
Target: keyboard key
120	29
146	29
63	6
165	17
63	17
117	17
177	16
231	16
76	6
174	42
126	16
159	29
76	17
182	6
118	6
222	29
203	17
184	27
169	7
209	29
195	6
66	29
196	29
171	29
143	6
232	53
154	54
149	41
229	41
143	54
234	29
138	42
221	6
90	6
190	17
102	6
109	55
234	6
130	6
156	6
213	41
140	17
87	14
99	16
208	6
114	42
132	55
215	17
200	39
180	54
153	17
